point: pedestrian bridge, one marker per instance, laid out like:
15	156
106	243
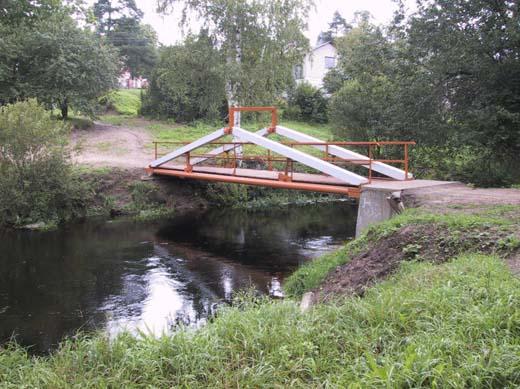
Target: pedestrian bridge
280	157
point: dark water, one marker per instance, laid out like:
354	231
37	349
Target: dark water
151	276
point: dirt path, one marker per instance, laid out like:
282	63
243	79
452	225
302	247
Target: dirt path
460	196
105	145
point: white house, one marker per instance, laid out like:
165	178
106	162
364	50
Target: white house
316	64
126	81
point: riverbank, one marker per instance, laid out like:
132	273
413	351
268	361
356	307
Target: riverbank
439	307
130	192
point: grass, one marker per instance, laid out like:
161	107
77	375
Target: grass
450	325
125	101
164	131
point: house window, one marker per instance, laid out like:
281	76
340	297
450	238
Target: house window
298	72
330	62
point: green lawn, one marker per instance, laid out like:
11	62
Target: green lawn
125	101
171	132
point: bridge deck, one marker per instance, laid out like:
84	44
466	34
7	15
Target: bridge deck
302	181
299	181
262	174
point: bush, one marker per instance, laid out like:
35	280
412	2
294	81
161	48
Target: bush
471	164
36	180
307	103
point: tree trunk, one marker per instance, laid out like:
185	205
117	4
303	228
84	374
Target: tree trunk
64	107
232	95
233	86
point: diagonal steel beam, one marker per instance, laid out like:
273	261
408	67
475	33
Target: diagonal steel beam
189	147
299	156
341	152
222	149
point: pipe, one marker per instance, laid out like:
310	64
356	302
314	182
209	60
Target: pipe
344	190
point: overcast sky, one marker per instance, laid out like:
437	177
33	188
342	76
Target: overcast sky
167	26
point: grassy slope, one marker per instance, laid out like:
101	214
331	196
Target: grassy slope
125	101
450	325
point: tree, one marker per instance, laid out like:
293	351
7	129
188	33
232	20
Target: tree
337	27
36	181
58	63
110	13
137	46
310	103
260	42
473	48
16	12
120	22
187	83
447	77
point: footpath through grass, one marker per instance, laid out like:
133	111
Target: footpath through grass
455	324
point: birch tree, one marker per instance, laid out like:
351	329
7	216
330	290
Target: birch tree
260	41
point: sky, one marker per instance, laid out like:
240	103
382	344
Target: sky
169	32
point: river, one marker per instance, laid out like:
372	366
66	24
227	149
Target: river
122	275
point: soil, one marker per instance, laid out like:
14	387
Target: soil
429	242
105	145
440	198
514	264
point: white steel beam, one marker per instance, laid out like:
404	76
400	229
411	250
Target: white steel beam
341	152
222	149
189	147
299	156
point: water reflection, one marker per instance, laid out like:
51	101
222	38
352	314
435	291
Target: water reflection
151	277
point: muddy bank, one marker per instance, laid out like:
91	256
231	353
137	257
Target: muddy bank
434	242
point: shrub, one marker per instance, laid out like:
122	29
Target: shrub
307	103
477	165
36	180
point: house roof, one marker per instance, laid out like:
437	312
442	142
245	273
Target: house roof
323	44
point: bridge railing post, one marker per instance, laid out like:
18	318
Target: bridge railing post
406	161
370	159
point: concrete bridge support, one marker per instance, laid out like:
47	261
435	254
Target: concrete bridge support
376	205
382	200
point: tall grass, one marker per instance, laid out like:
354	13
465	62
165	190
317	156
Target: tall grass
450	325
